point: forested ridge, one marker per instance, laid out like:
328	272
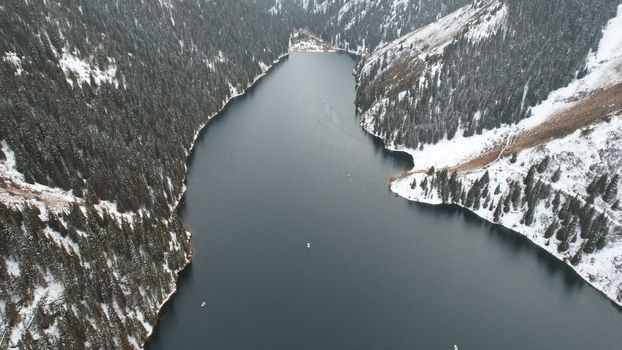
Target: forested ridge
479	83
100	102
360	25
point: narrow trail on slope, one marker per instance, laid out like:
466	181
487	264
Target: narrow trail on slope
591	110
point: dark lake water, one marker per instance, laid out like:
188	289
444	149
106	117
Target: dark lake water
289	164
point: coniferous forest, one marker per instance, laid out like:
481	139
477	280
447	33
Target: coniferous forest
115	147
101	102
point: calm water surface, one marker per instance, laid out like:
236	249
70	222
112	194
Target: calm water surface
289	164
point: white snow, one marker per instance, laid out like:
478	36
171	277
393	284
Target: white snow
46	198
82	71
52	292
111	208
65	242
58	198
580	156
15	60
604	70
12	266
489	24
309	46
432	38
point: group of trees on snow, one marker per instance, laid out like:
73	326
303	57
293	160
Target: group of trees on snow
573	222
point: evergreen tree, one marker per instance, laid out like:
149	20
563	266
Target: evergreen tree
543	164
506	204
498	210
551	229
556	175
612	190
530	176
556	201
497	189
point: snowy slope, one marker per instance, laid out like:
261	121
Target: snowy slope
580	157
360	26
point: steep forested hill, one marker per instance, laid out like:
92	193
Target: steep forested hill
484	65
100	102
512	109
360	25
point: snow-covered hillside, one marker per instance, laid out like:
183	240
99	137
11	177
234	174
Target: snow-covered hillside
552	177
361	25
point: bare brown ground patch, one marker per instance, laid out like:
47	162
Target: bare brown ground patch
590	110
25	193
593	109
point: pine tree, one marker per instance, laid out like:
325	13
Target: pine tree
498	210
506	204
564	211
543	164
424	185
556	175
516	195
485	179
556	201
551	229
598	231
576	259
612	190
530	175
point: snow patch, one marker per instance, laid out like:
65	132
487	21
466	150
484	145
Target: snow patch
16	61
52	292
67	243
79	70
489	24
12	267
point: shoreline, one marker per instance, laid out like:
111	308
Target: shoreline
392	182
439	204
184	189
436	202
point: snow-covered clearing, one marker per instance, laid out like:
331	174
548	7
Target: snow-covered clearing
43	296
302	41
15	60
79	70
482	20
